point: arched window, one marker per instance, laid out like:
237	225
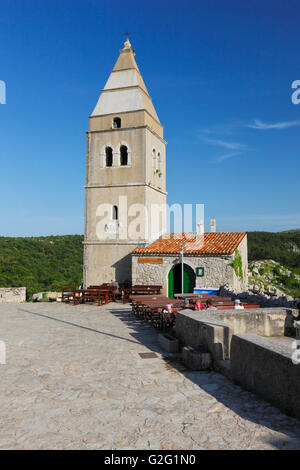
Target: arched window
124	155
115	212
158	162
117	123
109	156
154	159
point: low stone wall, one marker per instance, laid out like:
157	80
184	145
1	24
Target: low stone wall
214	330
200	330
42	296
12	294
261	321
264	366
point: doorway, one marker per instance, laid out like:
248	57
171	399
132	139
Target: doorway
175	280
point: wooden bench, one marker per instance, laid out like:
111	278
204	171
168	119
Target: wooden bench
146	289
231	307
67	293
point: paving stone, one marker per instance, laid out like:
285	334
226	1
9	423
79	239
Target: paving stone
74	380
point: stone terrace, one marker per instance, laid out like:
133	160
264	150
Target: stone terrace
74	379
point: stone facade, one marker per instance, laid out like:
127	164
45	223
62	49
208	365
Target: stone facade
12	294
218	270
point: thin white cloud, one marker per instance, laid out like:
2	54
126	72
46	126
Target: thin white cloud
277	125
223	129
235	148
225	144
227	156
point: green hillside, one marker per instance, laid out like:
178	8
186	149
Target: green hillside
41	263
283	247
48	263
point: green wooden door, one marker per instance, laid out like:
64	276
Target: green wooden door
189	278
171	283
175	280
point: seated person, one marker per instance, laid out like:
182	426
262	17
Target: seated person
168	308
115	284
238	305
186	303
198	305
210	305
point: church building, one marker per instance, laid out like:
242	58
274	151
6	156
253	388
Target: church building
126	187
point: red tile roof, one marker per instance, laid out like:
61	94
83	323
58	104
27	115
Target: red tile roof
211	243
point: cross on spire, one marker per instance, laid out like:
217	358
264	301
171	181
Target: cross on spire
127	34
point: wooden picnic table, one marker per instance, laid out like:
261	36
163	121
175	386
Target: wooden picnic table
191	295
83	295
152	309
135	297
155	313
146	289
108	290
128	292
162	300
67	293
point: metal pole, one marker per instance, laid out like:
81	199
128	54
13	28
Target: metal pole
181	253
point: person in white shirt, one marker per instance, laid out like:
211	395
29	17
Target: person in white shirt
210	305
237	305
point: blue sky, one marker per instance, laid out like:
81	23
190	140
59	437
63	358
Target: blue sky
219	74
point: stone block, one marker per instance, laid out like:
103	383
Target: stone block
37	297
201	330
168	343
264	366
12	294
196	359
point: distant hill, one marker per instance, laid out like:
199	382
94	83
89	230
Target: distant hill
41	263
49	263
292	230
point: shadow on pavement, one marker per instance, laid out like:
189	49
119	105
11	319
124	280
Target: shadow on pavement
245	404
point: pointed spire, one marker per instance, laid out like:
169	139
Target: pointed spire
125	89
126	59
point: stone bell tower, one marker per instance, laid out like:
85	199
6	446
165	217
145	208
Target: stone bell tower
125	174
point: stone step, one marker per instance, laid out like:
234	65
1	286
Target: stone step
223	367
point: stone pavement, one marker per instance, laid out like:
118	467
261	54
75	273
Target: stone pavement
74	379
